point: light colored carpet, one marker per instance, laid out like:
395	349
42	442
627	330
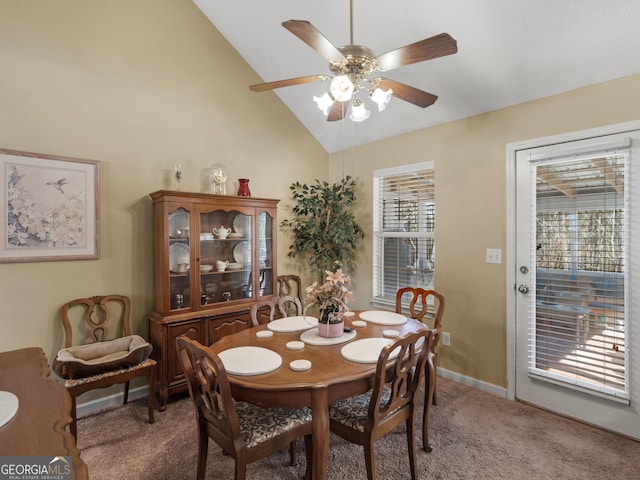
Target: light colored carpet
476	435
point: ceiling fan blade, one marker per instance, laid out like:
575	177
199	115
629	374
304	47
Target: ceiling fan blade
261	87
432	47
338	111
312	37
407	93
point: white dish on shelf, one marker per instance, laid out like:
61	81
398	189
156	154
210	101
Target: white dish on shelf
234	266
242	252
178	253
239	222
206	268
382	317
366	350
293	324
235	235
250	360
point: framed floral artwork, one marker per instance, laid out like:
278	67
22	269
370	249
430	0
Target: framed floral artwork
50	207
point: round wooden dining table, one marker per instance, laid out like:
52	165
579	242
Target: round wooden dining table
331	376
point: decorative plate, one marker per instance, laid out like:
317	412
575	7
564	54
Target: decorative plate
292	324
178	253
242	252
250	360
382	317
239	222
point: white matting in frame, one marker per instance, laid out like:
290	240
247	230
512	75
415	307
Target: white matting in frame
50	207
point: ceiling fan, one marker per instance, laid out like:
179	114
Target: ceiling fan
352	66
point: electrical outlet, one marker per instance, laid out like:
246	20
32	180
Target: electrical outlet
446	339
494	255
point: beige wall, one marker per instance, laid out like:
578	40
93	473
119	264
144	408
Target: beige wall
470	163
138	86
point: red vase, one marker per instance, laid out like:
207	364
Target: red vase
243	189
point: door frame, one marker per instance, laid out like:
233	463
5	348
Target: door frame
511	265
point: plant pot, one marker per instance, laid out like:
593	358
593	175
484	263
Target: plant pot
330	330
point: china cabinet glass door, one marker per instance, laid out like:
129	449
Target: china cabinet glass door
265	253
179	259
225	256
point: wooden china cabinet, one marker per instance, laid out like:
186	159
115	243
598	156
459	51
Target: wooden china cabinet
214	257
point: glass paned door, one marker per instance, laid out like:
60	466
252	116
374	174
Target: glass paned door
265	254
574	335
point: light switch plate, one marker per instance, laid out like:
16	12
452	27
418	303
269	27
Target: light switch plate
494	255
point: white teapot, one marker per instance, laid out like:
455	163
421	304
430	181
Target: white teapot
222	266
221	232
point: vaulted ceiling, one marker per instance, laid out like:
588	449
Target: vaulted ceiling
509	52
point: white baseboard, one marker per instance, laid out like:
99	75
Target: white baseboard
91	406
141	392
473	382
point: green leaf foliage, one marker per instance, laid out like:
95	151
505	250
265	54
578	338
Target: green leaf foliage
323	226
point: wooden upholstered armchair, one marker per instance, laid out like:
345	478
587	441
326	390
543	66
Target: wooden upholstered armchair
246	432
100	350
365	418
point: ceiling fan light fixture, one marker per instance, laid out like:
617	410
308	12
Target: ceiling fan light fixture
381	97
324	103
341	88
358	111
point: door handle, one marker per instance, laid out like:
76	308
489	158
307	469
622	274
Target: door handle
523	289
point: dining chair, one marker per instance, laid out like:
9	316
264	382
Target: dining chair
268	310
273	308
290	285
106	354
245	431
365	418
428	311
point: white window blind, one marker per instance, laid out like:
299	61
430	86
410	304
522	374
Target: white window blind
578	317
403	229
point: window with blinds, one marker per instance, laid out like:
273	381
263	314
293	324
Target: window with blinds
403	230
577	326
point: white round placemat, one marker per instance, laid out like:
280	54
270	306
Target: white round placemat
311	337
295	345
383	318
250	360
264	334
300	365
293	324
366	350
8	406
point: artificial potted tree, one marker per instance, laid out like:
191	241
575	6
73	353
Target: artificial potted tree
324	229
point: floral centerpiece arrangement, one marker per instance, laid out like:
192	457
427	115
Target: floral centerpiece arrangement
330	299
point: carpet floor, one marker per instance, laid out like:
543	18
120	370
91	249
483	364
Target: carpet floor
475	435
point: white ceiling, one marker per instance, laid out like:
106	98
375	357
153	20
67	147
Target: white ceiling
509	52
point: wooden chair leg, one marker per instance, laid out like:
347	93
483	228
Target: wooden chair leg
73	426
152	393
308	447
203	448
126	394
292	453
411	444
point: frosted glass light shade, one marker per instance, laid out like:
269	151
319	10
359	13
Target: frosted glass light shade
324	102
341	88
381	97
358	112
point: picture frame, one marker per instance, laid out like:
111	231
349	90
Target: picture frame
50	208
